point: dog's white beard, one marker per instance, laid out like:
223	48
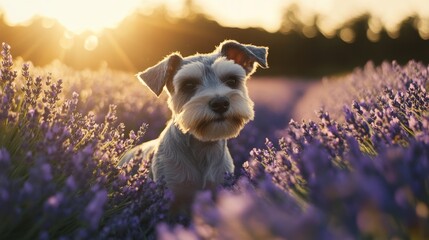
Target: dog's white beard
199	120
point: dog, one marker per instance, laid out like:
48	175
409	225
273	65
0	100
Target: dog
209	100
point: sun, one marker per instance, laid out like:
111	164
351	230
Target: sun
77	16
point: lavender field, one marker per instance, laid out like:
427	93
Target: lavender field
352	164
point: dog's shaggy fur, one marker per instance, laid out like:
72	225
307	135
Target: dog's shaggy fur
208	97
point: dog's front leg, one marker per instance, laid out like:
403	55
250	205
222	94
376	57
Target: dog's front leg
184	194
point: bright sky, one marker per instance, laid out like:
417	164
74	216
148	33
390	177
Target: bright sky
95	15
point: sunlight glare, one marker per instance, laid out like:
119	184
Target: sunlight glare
245	13
77	15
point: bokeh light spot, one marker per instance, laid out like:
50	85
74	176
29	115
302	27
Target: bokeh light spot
422	210
91	43
372	36
309	31
347	35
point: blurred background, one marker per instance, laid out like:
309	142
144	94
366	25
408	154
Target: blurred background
307	38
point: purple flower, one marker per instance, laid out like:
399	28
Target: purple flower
94	210
45	171
4	158
54	201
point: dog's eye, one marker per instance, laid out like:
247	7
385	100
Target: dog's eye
189	86
231	81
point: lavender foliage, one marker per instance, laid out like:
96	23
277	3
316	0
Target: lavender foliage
357	171
58	174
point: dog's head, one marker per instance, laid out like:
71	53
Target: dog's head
207	92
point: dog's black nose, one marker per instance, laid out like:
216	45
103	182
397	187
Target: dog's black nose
219	104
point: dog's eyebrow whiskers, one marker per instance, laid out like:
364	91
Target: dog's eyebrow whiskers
194	71
224	67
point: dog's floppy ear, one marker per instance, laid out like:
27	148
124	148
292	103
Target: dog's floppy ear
245	54
161	74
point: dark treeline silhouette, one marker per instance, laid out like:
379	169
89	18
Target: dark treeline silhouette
140	41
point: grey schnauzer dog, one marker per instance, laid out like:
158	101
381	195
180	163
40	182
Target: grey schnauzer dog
208	97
